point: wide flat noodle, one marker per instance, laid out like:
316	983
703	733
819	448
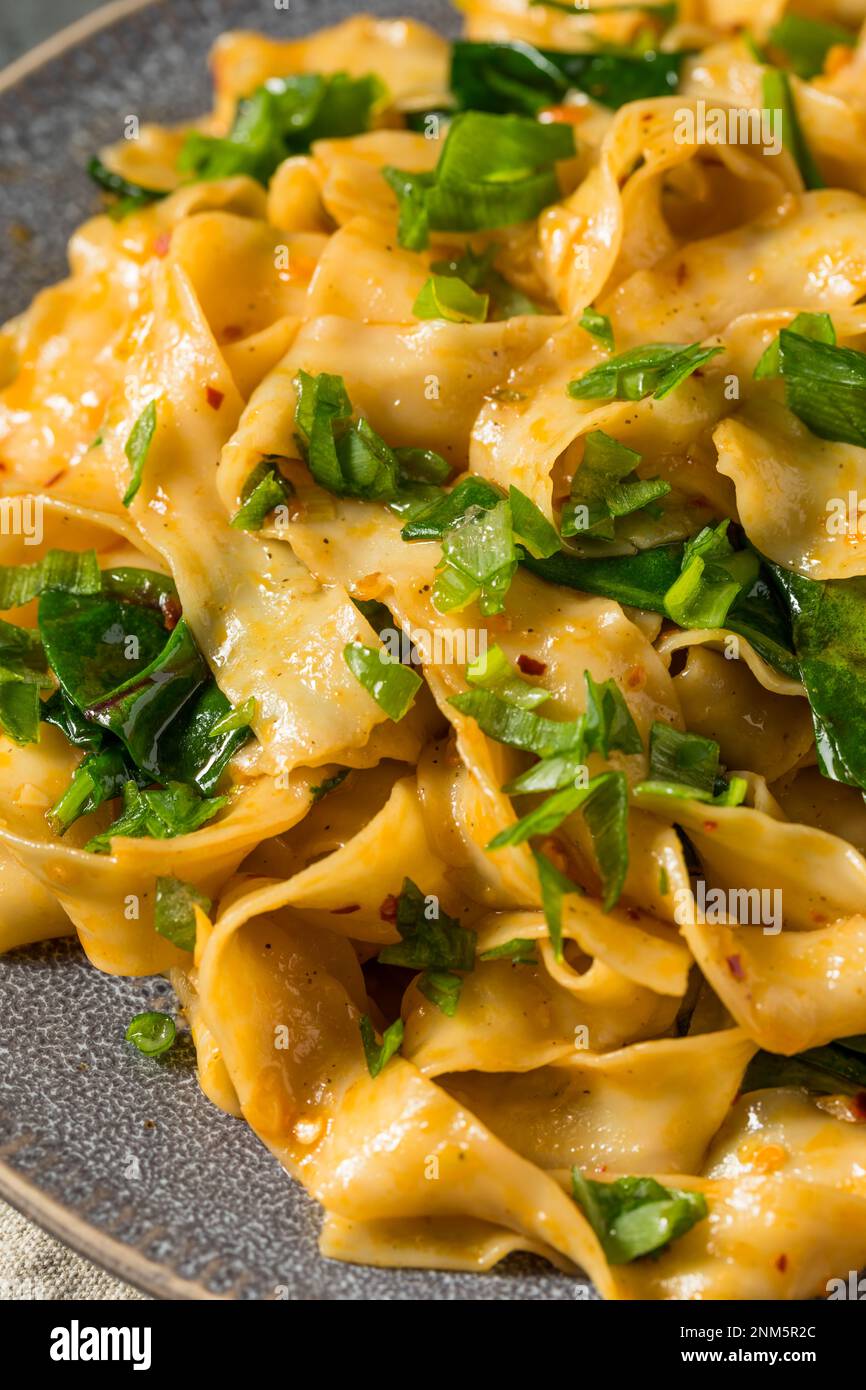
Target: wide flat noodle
615	1042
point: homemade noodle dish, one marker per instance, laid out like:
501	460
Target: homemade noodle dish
434	592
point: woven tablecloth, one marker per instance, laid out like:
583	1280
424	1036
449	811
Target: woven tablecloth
33	1265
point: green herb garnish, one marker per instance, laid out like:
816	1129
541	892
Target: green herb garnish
449	297
391	685
825	385
778	99
806	42
503	77
520	950
176	809
598	325
493	171
264	489
636	1216
654	370
282	118
606	487
378	1055
131	196
137	448
152	1033
174	911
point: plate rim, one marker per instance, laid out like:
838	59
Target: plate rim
25	1196
67	37
114	1256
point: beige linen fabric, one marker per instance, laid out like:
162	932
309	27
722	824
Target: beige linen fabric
33	1265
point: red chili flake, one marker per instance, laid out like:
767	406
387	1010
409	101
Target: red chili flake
341	911
735	965
56	478
635	678
4	468
711	825
171	611
682	273
161	244
530	667
782	1263
858	1105
232	332
215	398
817	916
633	914
388	910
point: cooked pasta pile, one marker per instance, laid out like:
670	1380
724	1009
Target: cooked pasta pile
434	592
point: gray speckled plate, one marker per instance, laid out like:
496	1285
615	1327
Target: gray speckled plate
118	1154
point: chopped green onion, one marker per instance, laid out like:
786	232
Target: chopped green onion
23	673
493	171
131	196
432	523
137	448
605	487
609	723
636	1216
530	526
655	369
442	988
604	805
264	489
687	766
544	819
552	774
825	386
70	571
19	708
500	76
778	99
506	301
238	718
391	685
598	325
806	42
174	911
282	118
520	950
493	671
430	939
687	758
348	457
816	326
712	576
152	1033
606	814
519	728
378	1055
554	886
828	622
479	560
449	297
